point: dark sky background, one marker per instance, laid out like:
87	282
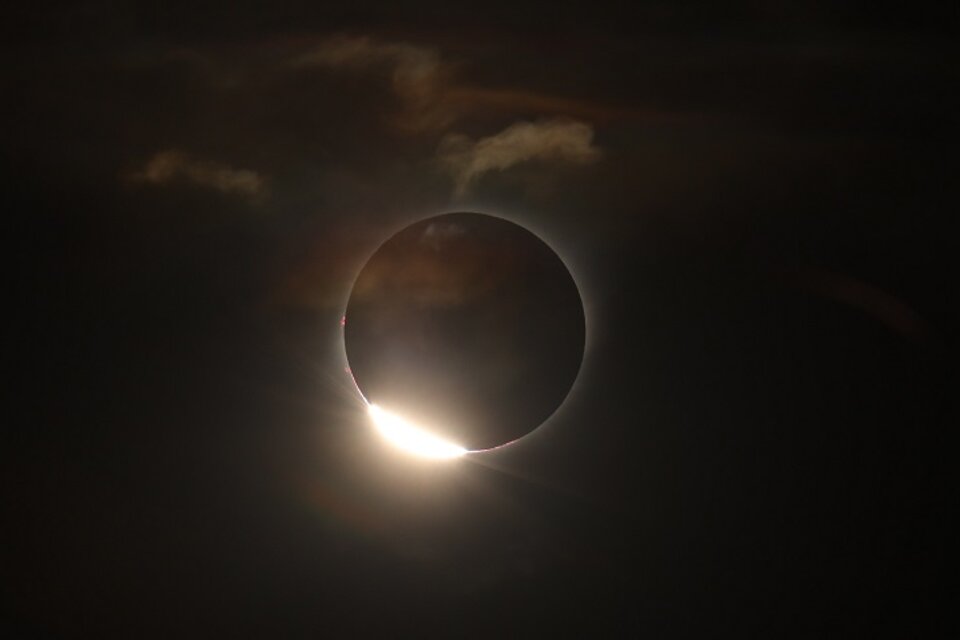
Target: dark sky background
754	197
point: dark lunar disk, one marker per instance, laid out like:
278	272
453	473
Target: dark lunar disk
467	325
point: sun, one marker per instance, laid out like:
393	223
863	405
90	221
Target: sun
410	438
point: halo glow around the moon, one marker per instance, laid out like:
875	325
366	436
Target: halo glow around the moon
410	438
464	332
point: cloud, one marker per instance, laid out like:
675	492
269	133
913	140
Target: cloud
432	99
560	140
432	96
438	233
172	166
416	73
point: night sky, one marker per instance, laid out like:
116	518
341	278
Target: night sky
754	198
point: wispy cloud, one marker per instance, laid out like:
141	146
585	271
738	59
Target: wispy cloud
558	140
177	166
433	99
416	73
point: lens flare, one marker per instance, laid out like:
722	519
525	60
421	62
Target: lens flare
411	439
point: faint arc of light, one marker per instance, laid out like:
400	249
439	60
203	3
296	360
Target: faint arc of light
410	438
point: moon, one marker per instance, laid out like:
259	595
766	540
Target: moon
464	332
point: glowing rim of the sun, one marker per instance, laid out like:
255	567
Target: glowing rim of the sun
411	438
421	442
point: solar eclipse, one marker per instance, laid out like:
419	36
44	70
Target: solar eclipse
464	332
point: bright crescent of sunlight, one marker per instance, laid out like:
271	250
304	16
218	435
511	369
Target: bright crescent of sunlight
410	438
